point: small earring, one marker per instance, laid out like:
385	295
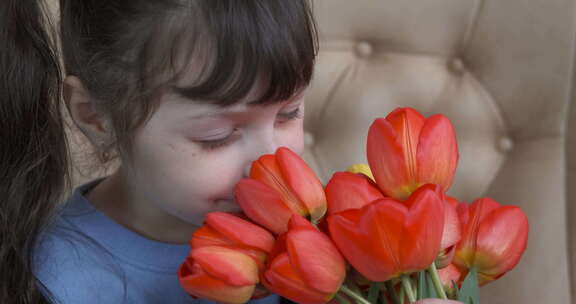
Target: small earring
105	156
101	146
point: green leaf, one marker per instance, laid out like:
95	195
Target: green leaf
469	293
456	291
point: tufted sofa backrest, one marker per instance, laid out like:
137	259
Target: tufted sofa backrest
502	71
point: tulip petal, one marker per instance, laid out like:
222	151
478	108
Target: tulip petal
242	232
267	171
206	236
387	160
448	274
451	234
423	229
470	217
452	231
228	265
314	256
281	278
361	169
198	283
452	201
408	123
303	181
347	190
369	238
502	239
263	205
279	247
437	152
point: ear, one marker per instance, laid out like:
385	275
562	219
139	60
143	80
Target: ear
81	107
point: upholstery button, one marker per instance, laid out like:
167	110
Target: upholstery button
456	66
363	49
505	144
308	139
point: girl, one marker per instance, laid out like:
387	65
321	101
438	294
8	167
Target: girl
184	93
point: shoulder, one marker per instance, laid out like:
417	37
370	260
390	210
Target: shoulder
76	269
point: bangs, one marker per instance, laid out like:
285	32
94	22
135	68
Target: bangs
228	46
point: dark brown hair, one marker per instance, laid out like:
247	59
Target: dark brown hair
125	52
33	151
121	49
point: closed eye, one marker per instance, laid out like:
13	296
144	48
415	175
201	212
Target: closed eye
217	143
294	114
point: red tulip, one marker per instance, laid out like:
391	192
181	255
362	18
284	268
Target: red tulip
494	238
279	186
388	238
406	150
347	190
451	234
450	275
226	230
304	266
219	274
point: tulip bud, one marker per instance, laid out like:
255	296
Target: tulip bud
304	266
219	274
227	230
279	186
388	238
405	150
494	238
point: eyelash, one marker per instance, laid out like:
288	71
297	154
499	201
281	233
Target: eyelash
291	115
218	143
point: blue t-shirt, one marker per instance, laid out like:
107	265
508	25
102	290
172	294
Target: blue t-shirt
86	257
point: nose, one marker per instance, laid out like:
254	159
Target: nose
264	143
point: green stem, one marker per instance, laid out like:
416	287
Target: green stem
374	291
407	284
341	299
360	299
437	282
392	291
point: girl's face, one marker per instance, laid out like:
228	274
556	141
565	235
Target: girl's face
189	156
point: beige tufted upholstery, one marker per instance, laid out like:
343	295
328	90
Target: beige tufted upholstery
502	71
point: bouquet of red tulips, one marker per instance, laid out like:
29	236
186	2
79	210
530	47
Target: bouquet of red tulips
385	232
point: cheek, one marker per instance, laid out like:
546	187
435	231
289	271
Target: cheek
292	137
181	180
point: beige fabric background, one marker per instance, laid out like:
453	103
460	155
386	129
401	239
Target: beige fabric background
502	71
